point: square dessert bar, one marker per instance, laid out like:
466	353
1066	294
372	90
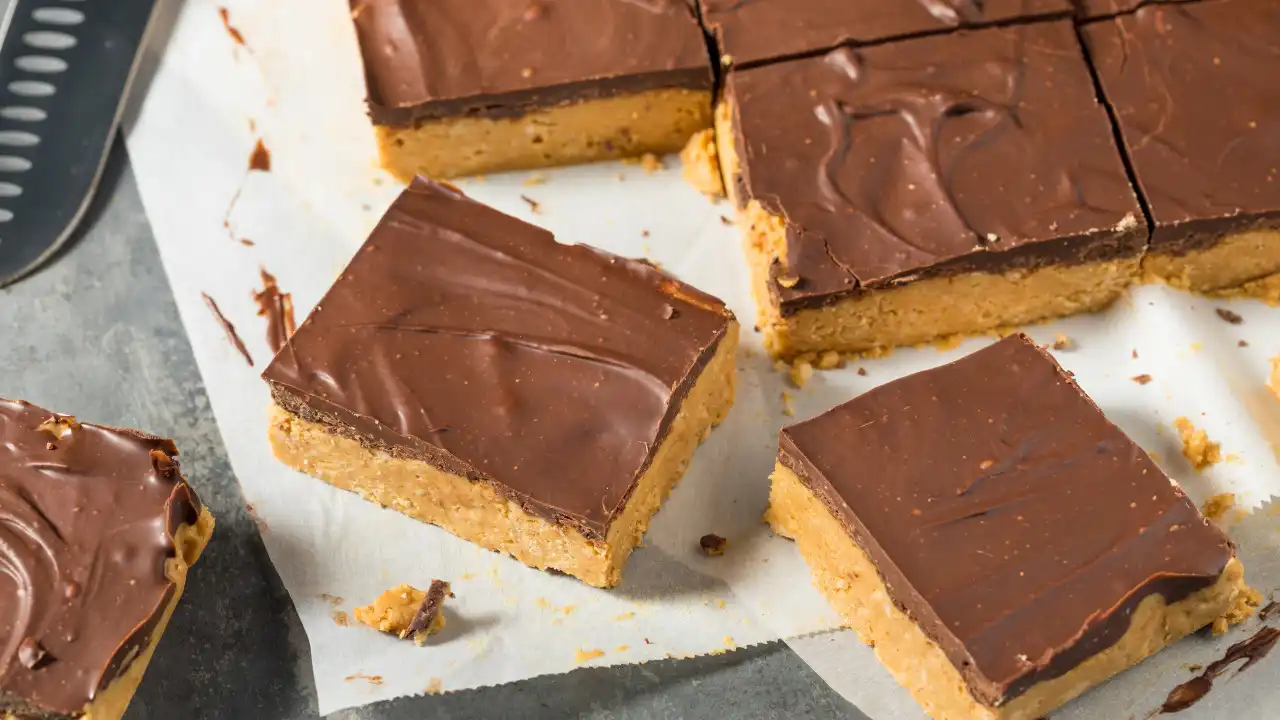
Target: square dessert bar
1195	93
754	32
97	530
534	398
458	87
1000	543
948	184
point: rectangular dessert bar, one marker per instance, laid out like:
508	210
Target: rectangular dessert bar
894	194
459	87
1000	543
534	398
97	530
758	31
935	186
1195	93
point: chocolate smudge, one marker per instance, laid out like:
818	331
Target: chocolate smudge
1251	651
234	32
232	336
260	158
277	308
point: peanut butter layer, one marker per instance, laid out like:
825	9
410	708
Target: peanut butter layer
1195	100
551	376
1019	529
99	528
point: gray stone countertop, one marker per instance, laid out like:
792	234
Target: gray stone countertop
96	334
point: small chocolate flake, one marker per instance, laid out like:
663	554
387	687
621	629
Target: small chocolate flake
1228	316
713	544
862	372
669	312
425	619
1142	379
725	220
1242	343
30	654
644	233
1134	354
534	206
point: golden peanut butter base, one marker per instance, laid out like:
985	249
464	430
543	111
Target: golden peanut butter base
477	512
654	121
917	312
1245	264
848	578
190	540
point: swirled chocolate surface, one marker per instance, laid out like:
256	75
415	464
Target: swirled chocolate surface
1195	92
87	516
437	58
474	341
1007	517
755	31
982	150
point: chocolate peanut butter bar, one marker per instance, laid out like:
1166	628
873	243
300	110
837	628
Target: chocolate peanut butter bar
537	399
1195	94
752	32
458	87
1001	544
97	530
947	184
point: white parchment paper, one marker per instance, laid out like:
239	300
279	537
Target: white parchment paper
297	85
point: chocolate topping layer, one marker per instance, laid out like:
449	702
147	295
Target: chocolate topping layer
1007	517
983	150
474	341
87	517
755	31
1195	91
429	59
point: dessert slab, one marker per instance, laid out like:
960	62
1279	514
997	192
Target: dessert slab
308	215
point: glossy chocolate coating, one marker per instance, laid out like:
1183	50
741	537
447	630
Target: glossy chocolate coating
1195	91
1005	514
979	150
756	31
428	59
87	518
474	341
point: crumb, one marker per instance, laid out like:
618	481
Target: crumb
534	206
372	679
624	616
260	158
247	242
587	655
728	640
829	360
1247	602
644	233
647	642
720	604
405	611
1228	316
340	618
1134	354
1218	505
701	164
1197	346
788	280
713	544
535	179
333	600
786	404
725	221
669	312
1196	446
1142	379
862	372
651	163
568	609
434	687
1062	342
800	373
622	648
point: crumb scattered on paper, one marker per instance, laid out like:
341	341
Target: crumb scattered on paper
1218	505
405	611
371	679
800	372
651	163
1228	316
1134	354
1274	381
712	544
786	404
535	179
435	686
862	372
1142	379
1062	342
340	618
624	616
583	656
725	221
260	158
1197	448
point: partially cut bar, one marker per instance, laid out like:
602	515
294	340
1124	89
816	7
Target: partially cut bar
1194	91
97	530
942	185
537	399
1000	543
459	87
755	32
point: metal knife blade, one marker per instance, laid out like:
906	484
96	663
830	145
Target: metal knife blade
65	68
